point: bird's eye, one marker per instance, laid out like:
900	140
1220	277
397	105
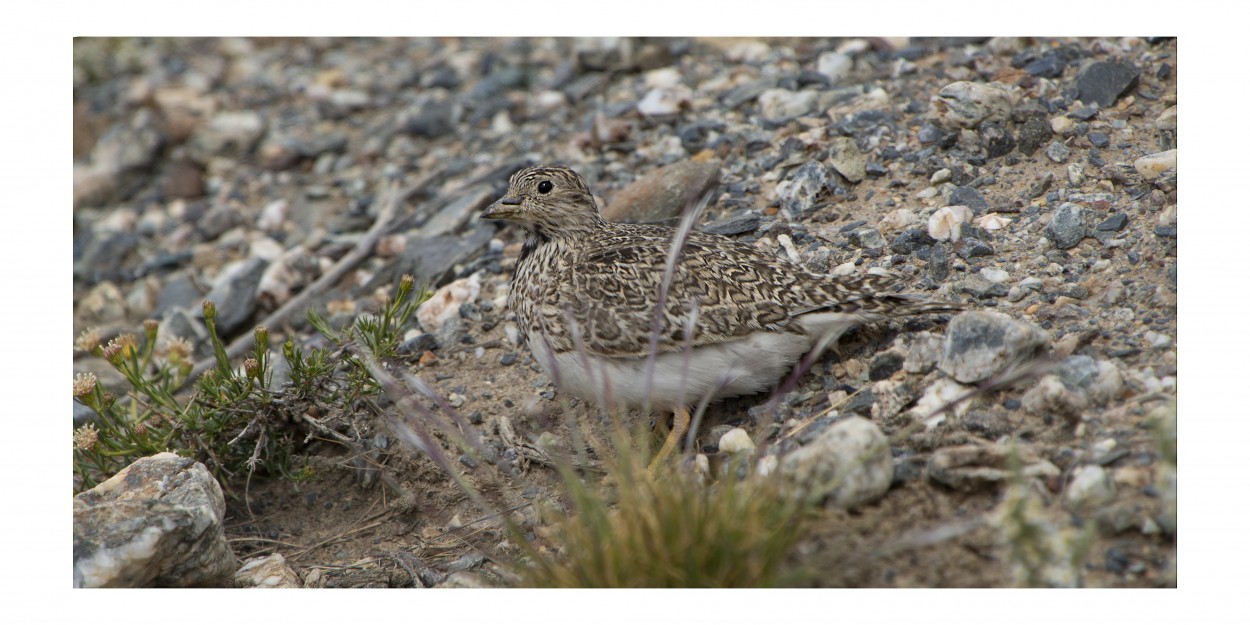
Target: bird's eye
544	187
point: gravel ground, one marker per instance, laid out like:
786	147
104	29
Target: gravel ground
1033	179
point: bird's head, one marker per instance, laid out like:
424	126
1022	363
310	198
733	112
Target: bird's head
549	200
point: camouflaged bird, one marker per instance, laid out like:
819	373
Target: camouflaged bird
735	318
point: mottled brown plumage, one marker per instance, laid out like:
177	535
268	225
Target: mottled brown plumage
585	293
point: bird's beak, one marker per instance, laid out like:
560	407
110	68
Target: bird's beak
502	209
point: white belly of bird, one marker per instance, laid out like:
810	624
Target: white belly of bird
742	367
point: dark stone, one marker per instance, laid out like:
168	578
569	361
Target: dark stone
1098	139
418	345
875	170
967	248
748	92
105	256
1033	133
84	414
938	267
932	134
970	197
1067	226
433	120
1114	223
508	359
1012	404
179	290
733	225
1104	82
885	365
996	139
1166	231
807	78
236	298
1085	113
1050	65
860	403
908	241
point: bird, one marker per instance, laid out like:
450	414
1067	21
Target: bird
612	314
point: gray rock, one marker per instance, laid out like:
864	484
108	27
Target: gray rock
158	522
996	139
970	197
849	463
1105	82
83	414
665	192
834	65
867	237
1033	133
235	294
967	104
1067	226
938	266
430	260
778	106
807	183
179	291
1091	485
734	225
981	344
846	158
1058	152
231	134
270	571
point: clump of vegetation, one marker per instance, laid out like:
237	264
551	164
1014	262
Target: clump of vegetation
235	421
668	528
1039	553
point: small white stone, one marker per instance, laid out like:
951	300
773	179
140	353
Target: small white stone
995	275
993	221
664	101
898	219
834	65
845	269
927	193
1076	174
512	333
940	176
662	77
945	223
1152	166
1062	125
273	216
446	301
736	440
1090	486
788	245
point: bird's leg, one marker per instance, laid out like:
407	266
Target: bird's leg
681	423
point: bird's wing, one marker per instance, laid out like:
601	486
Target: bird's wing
735	289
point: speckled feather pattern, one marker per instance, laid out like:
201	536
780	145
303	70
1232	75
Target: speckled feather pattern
581	278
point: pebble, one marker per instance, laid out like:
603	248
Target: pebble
970	197
1091	485
995	275
1033	133
846	159
778	106
157	523
834	65
662	101
234	293
946	223
1104	82
446	301
1067	226
967	104
1153	165
798	194
1058	152
664	192
981	344
736	440
848	463
270	571
1114	223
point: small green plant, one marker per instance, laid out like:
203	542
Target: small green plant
667	528
234	421
1039	553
